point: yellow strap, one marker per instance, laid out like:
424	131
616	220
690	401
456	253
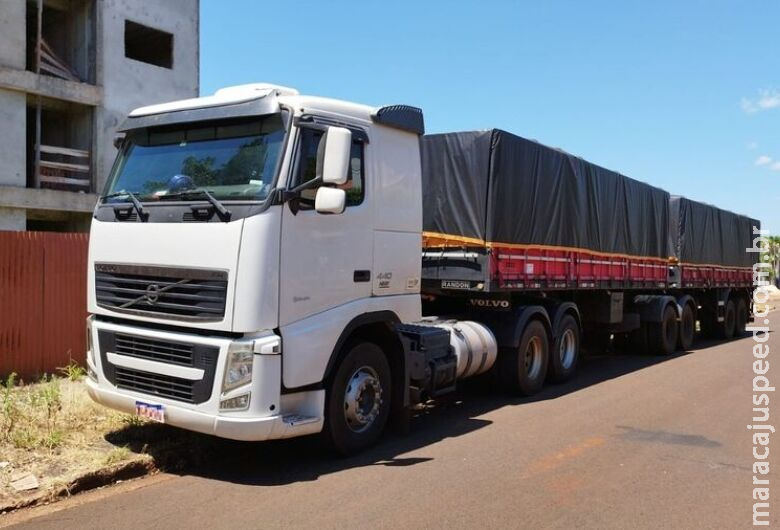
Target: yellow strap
435	240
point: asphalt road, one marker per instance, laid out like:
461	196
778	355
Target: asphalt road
633	441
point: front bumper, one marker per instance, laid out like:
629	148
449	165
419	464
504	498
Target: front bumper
269	415
267	428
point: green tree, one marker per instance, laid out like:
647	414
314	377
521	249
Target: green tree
245	165
773	251
201	170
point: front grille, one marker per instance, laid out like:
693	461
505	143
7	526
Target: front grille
154	350
155	384
162	351
186	294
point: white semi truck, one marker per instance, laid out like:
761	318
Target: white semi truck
255	273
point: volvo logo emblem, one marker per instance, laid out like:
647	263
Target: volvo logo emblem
152	293
490	304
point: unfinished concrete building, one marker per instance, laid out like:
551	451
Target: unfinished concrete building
70	70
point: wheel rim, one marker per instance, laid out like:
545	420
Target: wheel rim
533	357
362	399
568	349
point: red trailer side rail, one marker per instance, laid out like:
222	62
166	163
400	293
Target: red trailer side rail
513	266
534	266
704	276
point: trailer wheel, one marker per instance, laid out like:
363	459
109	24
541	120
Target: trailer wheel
565	351
687	328
523	369
729	324
741	317
359	399
662	336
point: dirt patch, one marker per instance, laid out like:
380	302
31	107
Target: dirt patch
56	441
52	436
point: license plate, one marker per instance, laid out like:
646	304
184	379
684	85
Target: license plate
150	411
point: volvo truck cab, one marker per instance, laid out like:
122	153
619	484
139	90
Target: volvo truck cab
253	249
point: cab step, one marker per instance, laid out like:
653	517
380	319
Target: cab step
295	420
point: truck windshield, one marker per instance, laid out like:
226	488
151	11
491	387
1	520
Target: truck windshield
231	159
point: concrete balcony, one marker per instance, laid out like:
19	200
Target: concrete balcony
43	199
50	87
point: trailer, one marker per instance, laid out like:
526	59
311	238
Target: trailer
265	265
511	224
506	214
711	262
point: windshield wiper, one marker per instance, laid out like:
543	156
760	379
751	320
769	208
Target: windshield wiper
224	213
133	199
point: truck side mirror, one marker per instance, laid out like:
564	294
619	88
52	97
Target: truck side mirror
333	156
330	200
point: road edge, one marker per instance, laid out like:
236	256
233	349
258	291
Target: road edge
88	481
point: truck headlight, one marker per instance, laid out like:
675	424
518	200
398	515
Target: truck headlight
238	369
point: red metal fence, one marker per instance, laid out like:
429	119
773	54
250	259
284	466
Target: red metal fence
43	301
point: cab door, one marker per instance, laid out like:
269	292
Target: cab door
326	260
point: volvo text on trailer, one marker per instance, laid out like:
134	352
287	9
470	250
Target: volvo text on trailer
261	263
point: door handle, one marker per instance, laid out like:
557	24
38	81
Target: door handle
362	276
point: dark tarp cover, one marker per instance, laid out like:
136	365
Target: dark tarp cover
705	234
497	187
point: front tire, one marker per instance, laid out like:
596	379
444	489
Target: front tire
359	398
522	370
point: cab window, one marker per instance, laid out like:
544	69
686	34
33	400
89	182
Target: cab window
307	168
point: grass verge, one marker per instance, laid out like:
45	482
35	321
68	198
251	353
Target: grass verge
52	434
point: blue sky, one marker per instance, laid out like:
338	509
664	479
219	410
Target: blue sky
682	94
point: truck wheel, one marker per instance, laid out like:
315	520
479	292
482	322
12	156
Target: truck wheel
523	369
566	350
741	317
662	336
729	324
687	328
359	399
